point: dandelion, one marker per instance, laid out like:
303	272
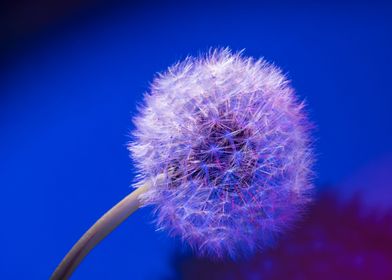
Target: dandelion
223	153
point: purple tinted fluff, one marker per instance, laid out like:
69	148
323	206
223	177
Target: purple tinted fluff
232	141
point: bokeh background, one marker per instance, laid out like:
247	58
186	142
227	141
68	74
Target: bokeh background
72	74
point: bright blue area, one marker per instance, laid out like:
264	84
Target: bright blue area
69	99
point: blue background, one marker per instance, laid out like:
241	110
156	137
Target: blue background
69	94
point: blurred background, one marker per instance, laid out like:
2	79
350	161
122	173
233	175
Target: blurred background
72	74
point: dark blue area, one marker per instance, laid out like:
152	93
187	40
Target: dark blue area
68	99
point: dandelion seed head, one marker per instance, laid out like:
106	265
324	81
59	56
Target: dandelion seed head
232	141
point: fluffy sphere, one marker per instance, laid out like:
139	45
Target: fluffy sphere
230	143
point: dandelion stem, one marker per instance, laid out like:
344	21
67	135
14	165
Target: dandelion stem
105	225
